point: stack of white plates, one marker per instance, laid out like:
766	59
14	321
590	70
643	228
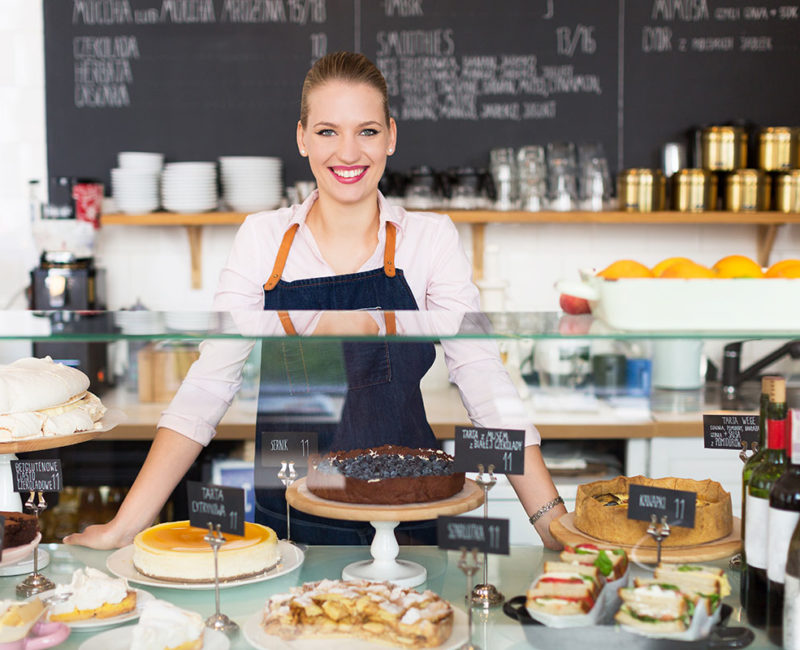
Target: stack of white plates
252	183
189	186
134	182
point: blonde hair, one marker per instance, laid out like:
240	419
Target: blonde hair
343	66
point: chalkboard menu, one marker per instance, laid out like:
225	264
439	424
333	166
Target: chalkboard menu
197	79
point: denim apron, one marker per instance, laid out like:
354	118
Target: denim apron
378	382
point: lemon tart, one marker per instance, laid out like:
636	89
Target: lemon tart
177	552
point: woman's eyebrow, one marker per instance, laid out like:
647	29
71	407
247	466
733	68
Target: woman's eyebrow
333	125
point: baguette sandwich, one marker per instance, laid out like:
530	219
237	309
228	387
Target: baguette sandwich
564	589
612	563
655	608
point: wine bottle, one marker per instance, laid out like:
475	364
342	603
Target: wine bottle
784	513
791	600
757	508
747	472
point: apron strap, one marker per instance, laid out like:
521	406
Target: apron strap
280	259
388	250
286	321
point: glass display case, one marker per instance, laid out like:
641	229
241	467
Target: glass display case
604	401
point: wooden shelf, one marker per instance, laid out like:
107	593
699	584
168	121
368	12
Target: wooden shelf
767	225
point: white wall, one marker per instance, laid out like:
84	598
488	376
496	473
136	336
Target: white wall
152	264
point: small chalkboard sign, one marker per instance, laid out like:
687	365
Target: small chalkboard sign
484	534
677	505
283	446
503	448
218	505
41	475
729	430
2	533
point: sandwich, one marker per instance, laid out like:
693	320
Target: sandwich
39	397
612	563
564	589
655	608
708	582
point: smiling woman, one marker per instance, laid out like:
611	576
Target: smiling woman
344	249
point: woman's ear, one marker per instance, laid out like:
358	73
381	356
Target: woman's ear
301	147
392	137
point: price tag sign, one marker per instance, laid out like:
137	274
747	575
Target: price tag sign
505	449
216	504
487	535
729	430
283	446
678	505
39	475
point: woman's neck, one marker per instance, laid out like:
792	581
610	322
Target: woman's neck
345	234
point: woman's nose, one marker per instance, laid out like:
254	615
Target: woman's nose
349	151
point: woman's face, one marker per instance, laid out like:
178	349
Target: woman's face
346	140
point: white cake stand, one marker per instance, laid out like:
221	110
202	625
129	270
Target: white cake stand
384	564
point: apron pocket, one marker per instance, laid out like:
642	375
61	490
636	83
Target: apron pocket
367	364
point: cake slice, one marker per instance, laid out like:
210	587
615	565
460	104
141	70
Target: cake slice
163	626
92	594
19	528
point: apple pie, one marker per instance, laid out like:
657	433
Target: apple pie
375	611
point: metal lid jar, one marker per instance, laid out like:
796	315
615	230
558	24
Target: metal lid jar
641	190
778	148
723	148
694	190
787	191
747	190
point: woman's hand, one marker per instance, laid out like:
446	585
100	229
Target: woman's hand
101	537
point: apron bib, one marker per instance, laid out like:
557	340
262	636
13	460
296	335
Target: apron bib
353	395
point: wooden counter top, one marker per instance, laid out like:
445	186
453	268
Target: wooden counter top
444	410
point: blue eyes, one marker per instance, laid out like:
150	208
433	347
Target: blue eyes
330	132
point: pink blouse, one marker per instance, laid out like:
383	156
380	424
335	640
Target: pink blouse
429	253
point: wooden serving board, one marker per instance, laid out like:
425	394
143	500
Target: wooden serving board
563	529
48	442
299	497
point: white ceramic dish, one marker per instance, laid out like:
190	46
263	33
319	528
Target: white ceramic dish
120	639
98	623
120	563
691	305
256	636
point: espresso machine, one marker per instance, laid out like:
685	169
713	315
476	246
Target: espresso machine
69	292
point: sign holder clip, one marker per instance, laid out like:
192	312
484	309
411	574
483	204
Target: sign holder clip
659	532
218	621
35	583
468	563
288	475
486	595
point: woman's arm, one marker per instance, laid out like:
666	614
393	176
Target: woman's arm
169	458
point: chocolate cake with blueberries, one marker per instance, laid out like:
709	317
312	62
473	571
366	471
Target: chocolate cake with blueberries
386	475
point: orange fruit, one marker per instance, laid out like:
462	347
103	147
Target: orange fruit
688	270
658	269
625	269
737	266
778	269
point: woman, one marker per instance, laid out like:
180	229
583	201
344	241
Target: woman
337	251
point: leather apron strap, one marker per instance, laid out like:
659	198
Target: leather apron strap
283	254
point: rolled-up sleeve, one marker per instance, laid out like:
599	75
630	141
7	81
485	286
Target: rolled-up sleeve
474	364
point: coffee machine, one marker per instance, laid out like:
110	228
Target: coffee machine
70	293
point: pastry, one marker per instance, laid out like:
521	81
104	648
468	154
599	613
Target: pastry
163	626
375	611
92	594
177	552
19	528
601	511
386	475
39	397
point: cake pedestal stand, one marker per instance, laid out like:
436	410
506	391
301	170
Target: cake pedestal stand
384	564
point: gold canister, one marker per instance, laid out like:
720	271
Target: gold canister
723	148
787	191
694	190
778	148
641	190
747	190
